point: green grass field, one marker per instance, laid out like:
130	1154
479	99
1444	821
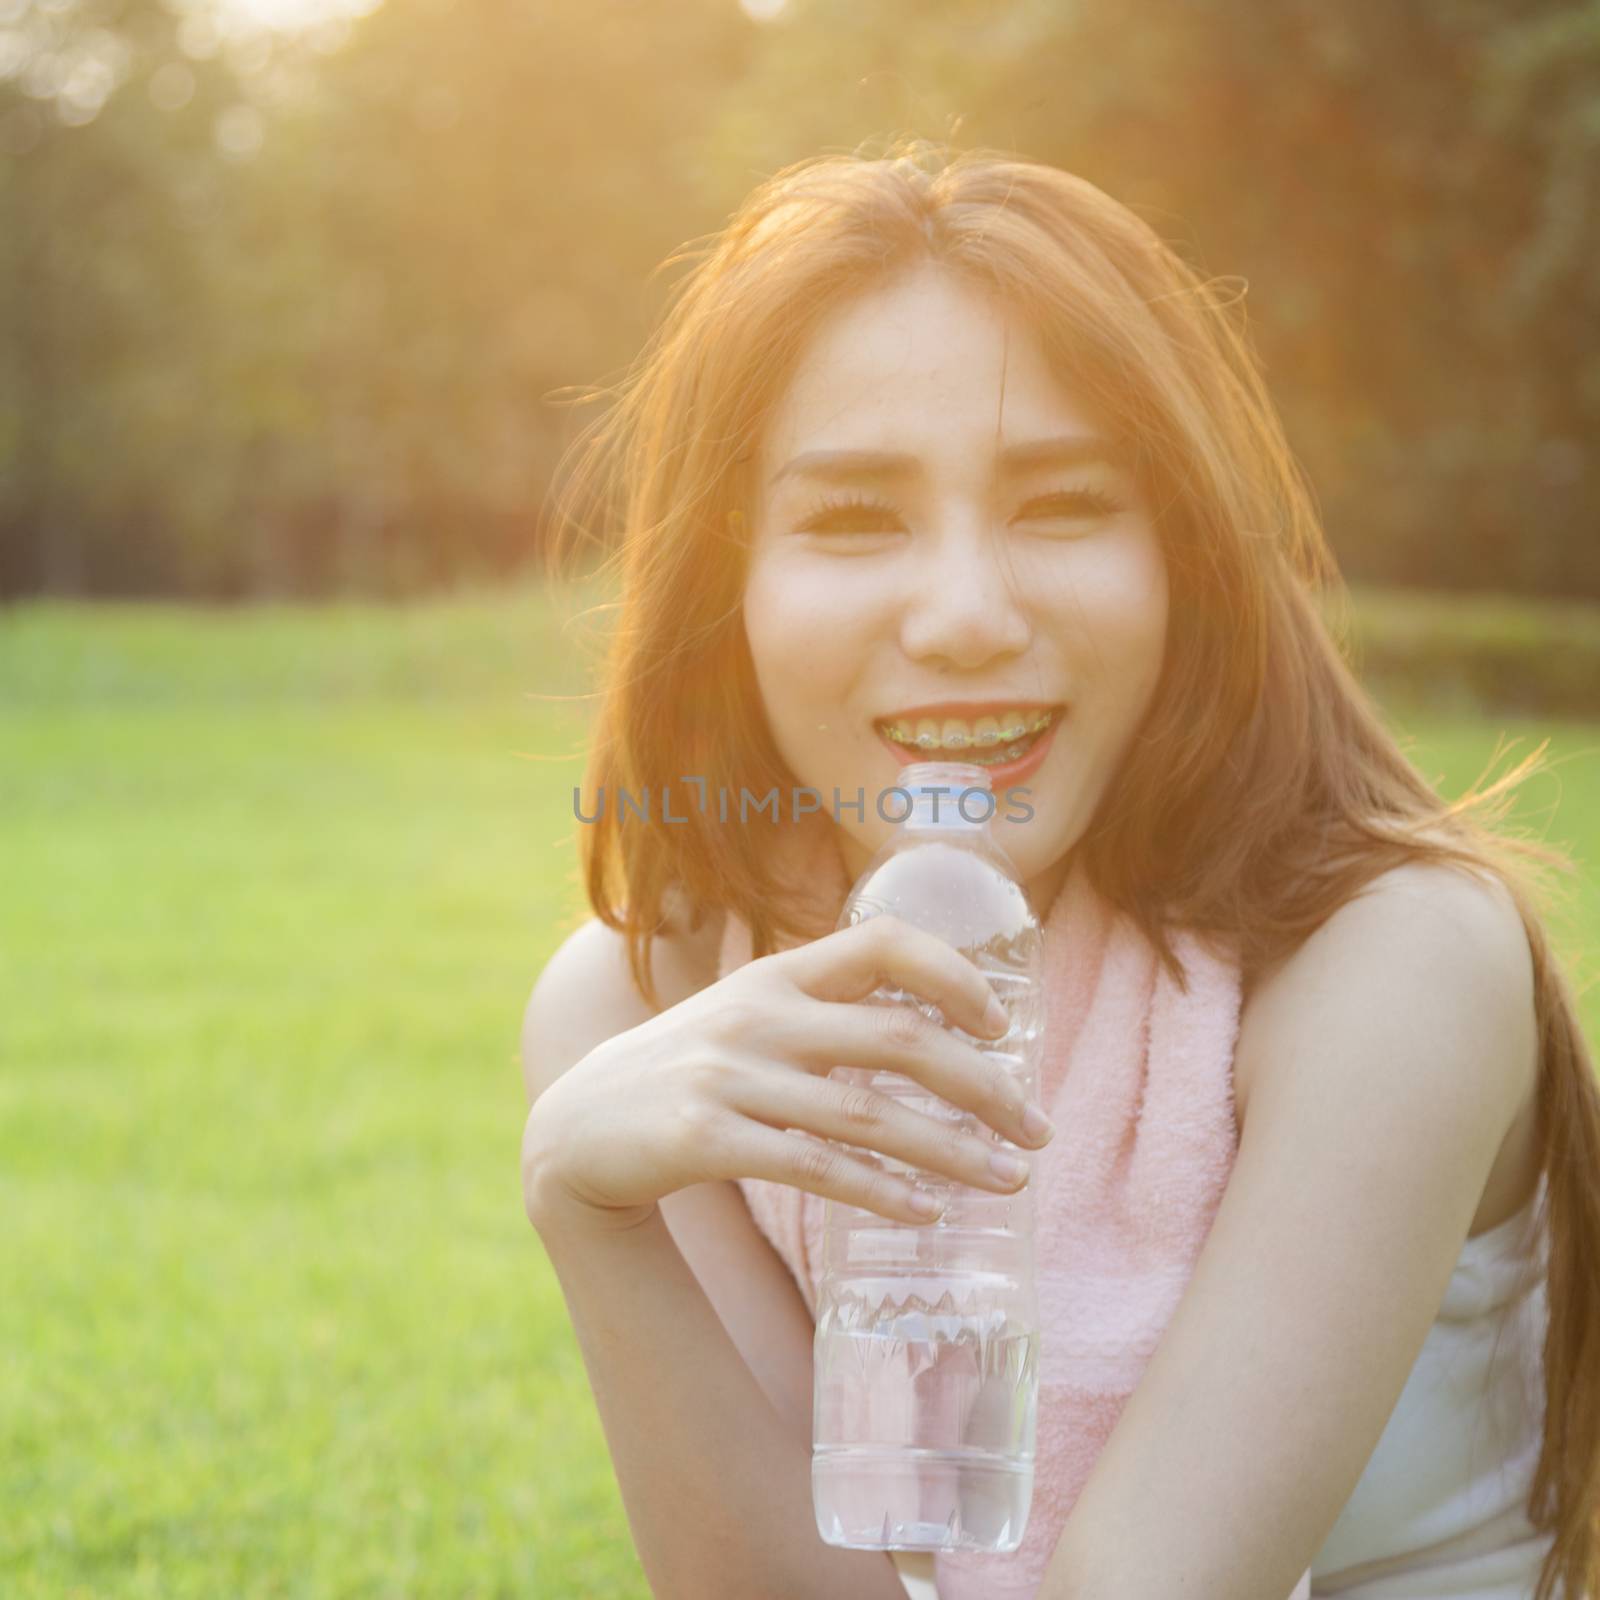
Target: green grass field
275	885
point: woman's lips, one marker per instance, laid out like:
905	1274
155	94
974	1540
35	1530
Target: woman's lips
1003	775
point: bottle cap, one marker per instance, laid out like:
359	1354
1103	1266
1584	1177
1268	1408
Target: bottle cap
947	794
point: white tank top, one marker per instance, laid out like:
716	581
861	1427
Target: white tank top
1441	1506
1440	1509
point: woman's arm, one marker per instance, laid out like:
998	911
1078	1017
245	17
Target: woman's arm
1388	1057
716	1483
702	1383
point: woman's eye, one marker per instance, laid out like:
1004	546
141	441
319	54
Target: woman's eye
1075	503
849	515
854	514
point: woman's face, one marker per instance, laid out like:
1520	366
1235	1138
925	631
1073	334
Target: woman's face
971	577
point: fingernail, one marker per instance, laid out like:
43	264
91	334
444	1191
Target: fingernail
996	1016
1010	1168
926	1205
1036	1124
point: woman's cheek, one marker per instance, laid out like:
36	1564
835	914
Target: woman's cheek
790	598
1121	598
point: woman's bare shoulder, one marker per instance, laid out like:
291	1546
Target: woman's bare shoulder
585	993
1472	900
1468	910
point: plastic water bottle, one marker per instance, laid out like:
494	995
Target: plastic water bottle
926	1351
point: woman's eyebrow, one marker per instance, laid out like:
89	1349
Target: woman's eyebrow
1067	450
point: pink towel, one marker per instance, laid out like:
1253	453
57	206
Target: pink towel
1138	1079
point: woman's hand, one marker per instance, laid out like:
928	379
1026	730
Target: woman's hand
706	1089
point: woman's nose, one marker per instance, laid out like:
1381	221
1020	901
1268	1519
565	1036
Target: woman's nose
963	605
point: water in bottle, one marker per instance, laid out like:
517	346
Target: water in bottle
926	1352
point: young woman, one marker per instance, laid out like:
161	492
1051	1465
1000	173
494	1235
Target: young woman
960	432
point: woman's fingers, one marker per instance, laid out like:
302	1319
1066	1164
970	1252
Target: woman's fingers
797	1158
900	1039
861	1115
886	951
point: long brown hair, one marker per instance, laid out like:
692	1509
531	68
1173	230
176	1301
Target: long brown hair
1265	790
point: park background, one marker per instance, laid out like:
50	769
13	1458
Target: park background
304	300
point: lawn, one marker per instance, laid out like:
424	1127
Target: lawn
275	885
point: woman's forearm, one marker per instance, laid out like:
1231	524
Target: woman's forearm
716	1484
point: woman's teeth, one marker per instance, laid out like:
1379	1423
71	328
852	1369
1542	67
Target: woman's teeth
1004	737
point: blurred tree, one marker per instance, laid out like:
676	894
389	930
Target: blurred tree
297	309
1407	192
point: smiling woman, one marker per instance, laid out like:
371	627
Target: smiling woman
1004	558
950	454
